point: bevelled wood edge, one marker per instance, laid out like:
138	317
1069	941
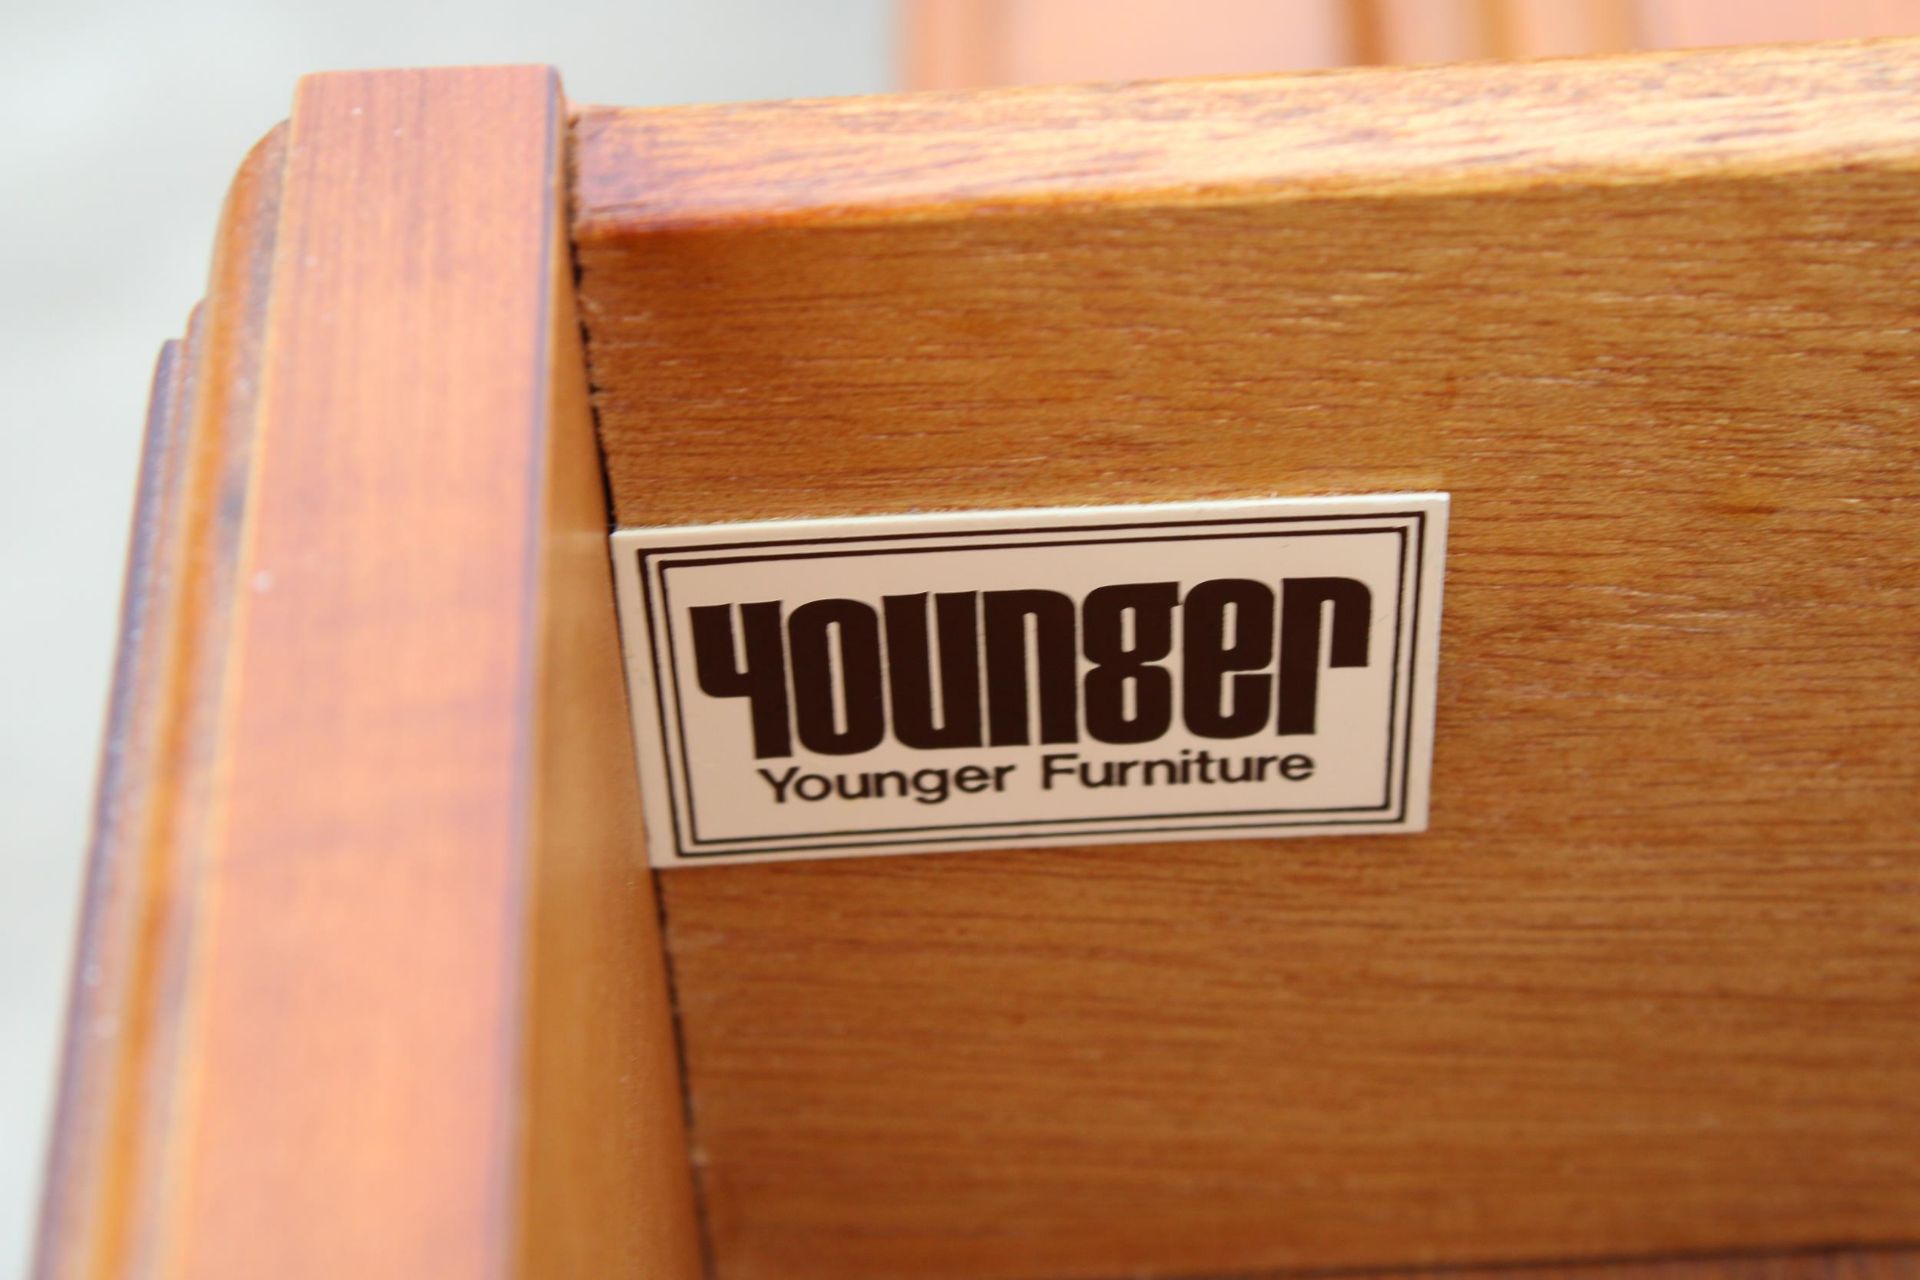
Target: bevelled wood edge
90	1110
1363	131
370	980
175	615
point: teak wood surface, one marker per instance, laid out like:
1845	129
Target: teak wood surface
372	972
1651	983
372	983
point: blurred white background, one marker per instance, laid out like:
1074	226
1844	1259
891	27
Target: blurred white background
123	123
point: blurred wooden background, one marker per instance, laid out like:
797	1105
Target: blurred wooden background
966	44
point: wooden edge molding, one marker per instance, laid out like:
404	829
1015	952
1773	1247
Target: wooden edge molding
369	979
174	627
1356	132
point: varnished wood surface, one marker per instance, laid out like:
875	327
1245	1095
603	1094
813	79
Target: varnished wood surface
385	998
839	163
606	1187
1651	984
369	976
109	1028
104	1192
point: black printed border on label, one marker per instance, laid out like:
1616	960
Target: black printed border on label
680	781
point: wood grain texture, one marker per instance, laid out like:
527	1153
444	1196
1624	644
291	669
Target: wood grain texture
103	1191
1651	982
109	1037
606	1185
405	945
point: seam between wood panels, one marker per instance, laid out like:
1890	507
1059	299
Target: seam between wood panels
696	1166
519	941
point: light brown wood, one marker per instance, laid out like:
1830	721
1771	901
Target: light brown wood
109	1021
606	1184
372	983
1652	982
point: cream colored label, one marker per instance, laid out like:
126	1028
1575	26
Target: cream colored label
1016	679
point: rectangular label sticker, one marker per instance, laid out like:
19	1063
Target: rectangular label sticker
1018	679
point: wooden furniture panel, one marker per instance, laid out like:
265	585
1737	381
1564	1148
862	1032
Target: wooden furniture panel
372	978
1650	984
604	1176
372	981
